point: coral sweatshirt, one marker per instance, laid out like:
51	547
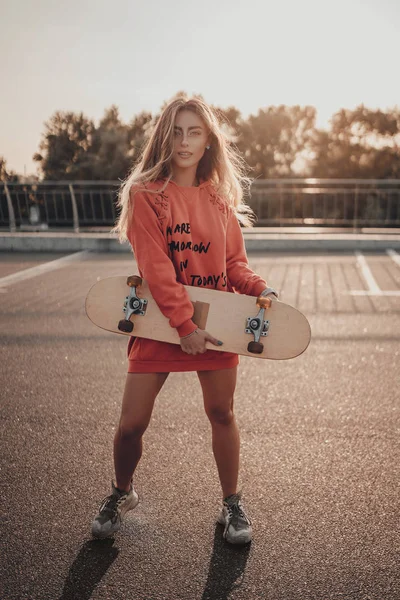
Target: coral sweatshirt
190	236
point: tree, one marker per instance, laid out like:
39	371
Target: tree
137	134
279	141
67	138
108	156
6	175
271	140
360	143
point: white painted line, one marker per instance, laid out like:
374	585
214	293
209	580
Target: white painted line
367	274
367	293
39	269
394	255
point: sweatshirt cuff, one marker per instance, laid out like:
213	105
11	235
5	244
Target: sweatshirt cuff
260	287
186	328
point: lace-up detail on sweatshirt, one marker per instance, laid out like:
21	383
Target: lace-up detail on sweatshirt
161	204
219	203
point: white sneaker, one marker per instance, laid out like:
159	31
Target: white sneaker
237	524
111	511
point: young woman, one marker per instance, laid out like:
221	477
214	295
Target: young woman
179	209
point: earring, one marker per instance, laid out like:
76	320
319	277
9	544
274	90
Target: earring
208	147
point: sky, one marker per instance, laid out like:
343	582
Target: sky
85	55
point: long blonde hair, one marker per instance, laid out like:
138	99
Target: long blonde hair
222	164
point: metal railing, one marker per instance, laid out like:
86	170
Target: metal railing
78	205
327	202
58	204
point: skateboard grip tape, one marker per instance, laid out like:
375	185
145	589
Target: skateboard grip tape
200	314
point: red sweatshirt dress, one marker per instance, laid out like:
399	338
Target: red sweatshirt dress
190	236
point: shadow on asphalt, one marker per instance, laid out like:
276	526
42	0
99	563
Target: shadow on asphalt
226	571
227	568
88	569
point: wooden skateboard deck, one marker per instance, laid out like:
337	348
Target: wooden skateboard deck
250	326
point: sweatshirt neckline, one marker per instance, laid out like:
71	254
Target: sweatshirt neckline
187	188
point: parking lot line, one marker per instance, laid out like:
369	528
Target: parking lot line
44	268
372	293
374	289
395	256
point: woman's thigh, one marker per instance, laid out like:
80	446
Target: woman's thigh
141	390
218	391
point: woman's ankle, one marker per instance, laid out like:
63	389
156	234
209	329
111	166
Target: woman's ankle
123	488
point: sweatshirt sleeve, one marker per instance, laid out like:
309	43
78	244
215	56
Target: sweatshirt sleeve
242	278
151	253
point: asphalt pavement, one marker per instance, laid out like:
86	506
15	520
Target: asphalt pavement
320	449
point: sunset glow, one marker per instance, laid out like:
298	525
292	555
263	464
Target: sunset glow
77	58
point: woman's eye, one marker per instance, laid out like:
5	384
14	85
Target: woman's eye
177	132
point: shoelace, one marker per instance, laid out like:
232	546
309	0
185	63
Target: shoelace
109	505
235	511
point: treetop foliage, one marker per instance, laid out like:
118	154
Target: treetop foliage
278	141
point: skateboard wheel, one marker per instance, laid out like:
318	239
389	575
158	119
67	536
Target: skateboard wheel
255	347
126	326
264	302
134	280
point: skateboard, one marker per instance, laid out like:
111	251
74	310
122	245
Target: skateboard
247	325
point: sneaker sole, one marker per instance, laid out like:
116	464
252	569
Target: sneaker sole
134	501
240	539
221	520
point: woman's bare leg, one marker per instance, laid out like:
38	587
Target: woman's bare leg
141	390
218	390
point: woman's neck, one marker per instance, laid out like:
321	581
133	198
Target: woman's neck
185	179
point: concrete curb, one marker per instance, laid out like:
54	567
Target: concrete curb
321	242
255	242
60	242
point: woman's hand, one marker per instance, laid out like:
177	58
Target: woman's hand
270	294
195	343
272	297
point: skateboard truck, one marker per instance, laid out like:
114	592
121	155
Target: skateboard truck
257	326
132	305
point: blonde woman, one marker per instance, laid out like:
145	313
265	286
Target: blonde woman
180	210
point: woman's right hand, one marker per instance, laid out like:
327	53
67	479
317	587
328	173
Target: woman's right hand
196	342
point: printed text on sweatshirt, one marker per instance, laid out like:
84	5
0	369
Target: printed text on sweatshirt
188	236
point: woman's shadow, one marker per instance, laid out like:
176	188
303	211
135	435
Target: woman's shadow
94	559
227	568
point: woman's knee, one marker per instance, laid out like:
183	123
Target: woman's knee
141	390
219	415
133	429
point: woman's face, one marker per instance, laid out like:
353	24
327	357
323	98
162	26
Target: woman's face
190	139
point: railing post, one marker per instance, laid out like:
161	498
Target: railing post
10	207
355	209
74	209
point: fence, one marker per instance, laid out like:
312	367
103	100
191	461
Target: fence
281	202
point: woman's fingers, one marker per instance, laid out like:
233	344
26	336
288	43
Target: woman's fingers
196	344
212	339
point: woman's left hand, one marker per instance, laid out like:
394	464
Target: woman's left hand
272	296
